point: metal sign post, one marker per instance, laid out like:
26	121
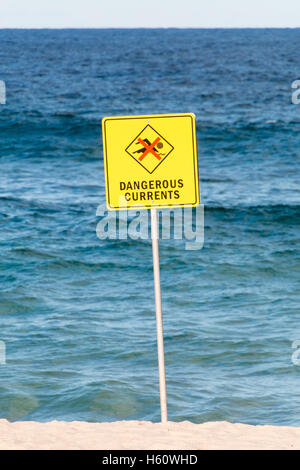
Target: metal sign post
159	324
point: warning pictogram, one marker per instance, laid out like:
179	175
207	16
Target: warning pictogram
149	148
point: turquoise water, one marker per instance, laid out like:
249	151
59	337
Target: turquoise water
77	313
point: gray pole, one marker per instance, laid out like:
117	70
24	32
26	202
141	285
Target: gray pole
159	324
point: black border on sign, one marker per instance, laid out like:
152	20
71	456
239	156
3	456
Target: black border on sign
148	125
159	206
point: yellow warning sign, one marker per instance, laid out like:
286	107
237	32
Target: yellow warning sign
150	161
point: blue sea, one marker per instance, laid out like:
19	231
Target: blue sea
77	313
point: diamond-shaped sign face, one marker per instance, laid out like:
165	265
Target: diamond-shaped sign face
149	149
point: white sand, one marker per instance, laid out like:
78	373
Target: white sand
145	435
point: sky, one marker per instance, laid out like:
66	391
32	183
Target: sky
149	13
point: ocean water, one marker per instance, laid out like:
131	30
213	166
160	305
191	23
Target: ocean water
77	313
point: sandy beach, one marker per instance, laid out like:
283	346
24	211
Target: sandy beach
139	435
